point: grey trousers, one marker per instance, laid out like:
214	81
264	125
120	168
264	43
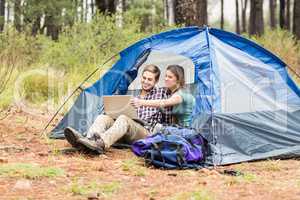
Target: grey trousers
122	128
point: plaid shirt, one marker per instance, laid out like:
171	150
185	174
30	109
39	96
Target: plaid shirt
153	115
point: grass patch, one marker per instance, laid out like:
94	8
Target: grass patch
6	100
195	195
133	166
152	193
103	189
29	171
248	177
245	178
20	119
271	165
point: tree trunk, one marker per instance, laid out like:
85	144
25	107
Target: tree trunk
81	10
288	15
106	6
201	10
281	13
119	13
191	12
222	15
111	6
7	11
100	4
86	13
237	15
179	11
244	4
75	10
93	7
165	6
2	14
171	12
272	7
125	5
296	19
17	14
52	27
256	22
36	26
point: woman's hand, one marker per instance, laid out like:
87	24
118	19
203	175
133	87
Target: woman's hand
135	102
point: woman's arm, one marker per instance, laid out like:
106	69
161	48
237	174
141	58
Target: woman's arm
173	100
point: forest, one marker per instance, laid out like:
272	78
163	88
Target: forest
73	37
51	51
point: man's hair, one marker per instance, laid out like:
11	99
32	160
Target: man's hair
153	69
178	71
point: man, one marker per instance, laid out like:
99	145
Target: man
105	131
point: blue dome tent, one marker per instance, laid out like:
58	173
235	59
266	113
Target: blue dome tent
247	105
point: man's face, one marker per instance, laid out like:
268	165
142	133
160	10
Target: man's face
148	80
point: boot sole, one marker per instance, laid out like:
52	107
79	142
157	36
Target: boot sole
91	147
71	138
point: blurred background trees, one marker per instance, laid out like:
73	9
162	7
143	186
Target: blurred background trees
49	17
72	37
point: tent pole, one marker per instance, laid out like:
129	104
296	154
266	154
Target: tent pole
293	71
211	94
79	87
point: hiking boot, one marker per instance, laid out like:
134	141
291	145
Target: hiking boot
72	136
96	145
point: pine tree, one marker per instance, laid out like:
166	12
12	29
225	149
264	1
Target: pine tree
296	19
2	14
272	6
256	21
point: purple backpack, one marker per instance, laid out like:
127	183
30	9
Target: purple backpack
172	148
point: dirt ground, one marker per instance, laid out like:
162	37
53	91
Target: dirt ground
120	175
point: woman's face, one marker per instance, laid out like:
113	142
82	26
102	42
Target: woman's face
148	80
170	80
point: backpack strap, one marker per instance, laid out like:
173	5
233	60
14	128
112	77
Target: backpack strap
180	157
155	147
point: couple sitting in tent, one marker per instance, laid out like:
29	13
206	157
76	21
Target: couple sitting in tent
155	106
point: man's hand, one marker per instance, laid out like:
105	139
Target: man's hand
135	102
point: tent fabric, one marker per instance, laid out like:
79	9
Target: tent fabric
247	105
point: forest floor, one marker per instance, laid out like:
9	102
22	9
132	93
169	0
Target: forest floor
34	167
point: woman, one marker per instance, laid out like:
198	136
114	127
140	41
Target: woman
180	99
105	131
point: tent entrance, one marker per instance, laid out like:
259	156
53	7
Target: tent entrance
163	60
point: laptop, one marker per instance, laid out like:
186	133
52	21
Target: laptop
117	105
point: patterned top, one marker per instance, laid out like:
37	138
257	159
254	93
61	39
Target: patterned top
153	115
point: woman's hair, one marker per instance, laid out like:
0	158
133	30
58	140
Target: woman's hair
153	69
178	71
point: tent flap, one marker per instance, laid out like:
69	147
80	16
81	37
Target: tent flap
252	136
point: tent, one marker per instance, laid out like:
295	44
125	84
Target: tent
247	105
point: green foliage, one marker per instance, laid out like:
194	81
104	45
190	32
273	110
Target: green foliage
79	50
150	13
283	44
17	49
271	165
133	166
105	189
244	178
200	194
33	9
83	47
29	171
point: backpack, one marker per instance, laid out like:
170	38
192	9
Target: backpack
172	148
